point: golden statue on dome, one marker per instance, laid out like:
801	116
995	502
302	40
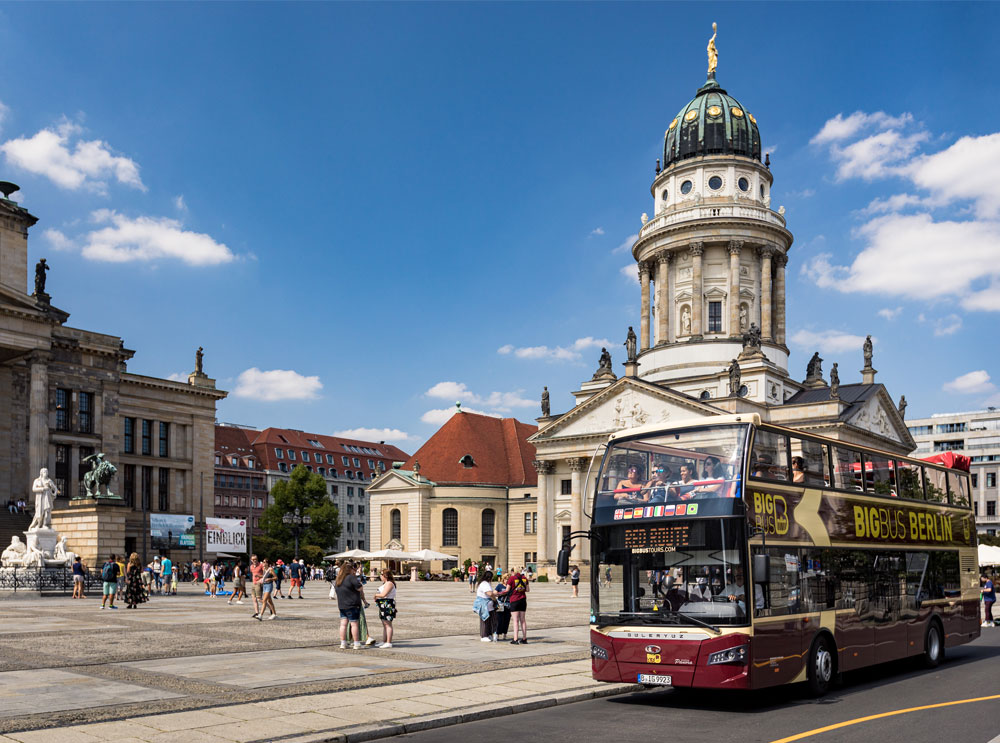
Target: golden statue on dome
713	53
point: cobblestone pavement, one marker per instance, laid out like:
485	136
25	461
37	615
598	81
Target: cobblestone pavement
193	668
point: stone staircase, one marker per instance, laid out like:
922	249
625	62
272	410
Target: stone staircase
12	524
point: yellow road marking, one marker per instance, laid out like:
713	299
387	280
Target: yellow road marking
858	720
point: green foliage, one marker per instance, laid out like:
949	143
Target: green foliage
467	564
306	491
542	578
267	549
312	554
456	572
987	539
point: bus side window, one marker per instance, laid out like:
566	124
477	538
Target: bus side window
958	489
847	469
909	482
809	463
937	485
878	471
769	460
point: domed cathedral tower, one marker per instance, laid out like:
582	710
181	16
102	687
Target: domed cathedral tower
712	259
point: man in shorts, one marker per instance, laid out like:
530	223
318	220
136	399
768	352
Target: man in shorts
257	573
109	581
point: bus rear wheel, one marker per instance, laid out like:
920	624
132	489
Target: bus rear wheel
821	666
933	646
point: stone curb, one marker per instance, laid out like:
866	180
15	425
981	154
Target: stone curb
482	712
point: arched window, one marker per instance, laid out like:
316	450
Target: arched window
395	524
449	528
489	519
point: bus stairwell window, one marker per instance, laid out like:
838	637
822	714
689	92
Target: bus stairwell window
847	469
769	460
809	463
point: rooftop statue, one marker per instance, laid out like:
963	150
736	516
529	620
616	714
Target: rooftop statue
713	53
40	268
630	343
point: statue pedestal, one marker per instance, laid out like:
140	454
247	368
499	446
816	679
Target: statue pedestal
42	539
93	528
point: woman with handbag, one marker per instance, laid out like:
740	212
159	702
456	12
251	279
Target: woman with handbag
503	608
350	598
385	600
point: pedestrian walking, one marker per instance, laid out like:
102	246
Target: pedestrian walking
296	574
147	579
574	579
279	574
472	577
121	575
79	578
256	587
989	597
350	601
485	607
109	581
267	587
167	573
517	591
134	592
157	574
239	584
385	600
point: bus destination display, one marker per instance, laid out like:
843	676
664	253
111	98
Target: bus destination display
646	539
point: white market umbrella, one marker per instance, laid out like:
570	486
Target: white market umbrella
383	555
989	555
428	555
353	554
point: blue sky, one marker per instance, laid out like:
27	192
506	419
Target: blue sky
400	205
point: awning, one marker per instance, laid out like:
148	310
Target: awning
989	555
428	555
350	554
950	459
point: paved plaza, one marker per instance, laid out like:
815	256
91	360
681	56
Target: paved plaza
190	667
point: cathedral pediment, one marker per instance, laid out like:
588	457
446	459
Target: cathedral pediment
880	416
627	403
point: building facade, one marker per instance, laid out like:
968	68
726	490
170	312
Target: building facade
347	465
65	394
239	484
977	435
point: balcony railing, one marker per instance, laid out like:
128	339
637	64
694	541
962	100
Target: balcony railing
666	219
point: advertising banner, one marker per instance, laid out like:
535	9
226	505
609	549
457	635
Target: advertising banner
225	535
170	531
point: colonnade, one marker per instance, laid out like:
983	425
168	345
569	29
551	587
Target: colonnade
770	288
548	545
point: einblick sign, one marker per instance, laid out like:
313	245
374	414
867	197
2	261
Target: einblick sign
225	535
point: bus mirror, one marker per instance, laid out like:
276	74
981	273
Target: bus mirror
562	562
761	569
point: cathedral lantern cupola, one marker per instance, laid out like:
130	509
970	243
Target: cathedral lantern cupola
711	260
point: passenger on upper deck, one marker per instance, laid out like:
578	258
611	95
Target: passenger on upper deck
684	488
629	489
657	486
798	469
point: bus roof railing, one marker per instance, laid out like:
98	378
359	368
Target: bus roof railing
715	420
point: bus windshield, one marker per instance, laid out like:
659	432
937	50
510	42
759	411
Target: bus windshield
683	572
671	468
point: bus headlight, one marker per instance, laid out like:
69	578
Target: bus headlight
732	655
596	651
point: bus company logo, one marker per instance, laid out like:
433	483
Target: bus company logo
652	648
881	523
619	513
771	513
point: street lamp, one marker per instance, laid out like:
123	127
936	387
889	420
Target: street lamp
297	524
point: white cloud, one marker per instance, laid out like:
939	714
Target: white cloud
966	171
179	203
630	272
555	353
69	161
948	325
4	113
177	377
597	231
276	384
973	383
57	240
894	203
828	341
441	415
150	238
459	391
375	434
915	256
626	244
890	313
840	127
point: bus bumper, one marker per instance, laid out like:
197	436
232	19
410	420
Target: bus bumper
701	662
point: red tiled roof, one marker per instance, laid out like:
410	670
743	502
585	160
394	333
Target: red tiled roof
266	441
498	446
233	440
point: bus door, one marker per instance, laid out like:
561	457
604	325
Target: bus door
887	599
916	612
777	630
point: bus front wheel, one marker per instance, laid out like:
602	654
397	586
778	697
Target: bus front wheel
821	666
933	646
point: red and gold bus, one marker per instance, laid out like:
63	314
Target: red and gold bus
735	554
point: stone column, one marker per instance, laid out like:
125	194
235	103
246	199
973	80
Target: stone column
544	469
644	320
779	298
38	414
697	289
662	305
765	251
577	465
735	247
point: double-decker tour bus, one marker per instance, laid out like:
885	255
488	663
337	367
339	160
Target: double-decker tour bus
735	554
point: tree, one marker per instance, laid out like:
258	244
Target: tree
306	491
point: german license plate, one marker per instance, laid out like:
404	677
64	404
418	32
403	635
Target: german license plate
655	678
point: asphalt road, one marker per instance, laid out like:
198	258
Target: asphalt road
969	672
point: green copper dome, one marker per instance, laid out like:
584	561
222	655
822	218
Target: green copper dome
714	123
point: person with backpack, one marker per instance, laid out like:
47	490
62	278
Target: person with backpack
517	593
109	577
279	574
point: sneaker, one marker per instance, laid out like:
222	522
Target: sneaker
358	646
104	607
271	616
255	615
514	642
258	617
523	642
385	645
485	639
113	606
301	597
370	641
343	646
239	602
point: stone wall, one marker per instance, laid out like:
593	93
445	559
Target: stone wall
92	529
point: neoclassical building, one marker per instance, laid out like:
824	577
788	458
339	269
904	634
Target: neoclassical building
711	264
65	393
